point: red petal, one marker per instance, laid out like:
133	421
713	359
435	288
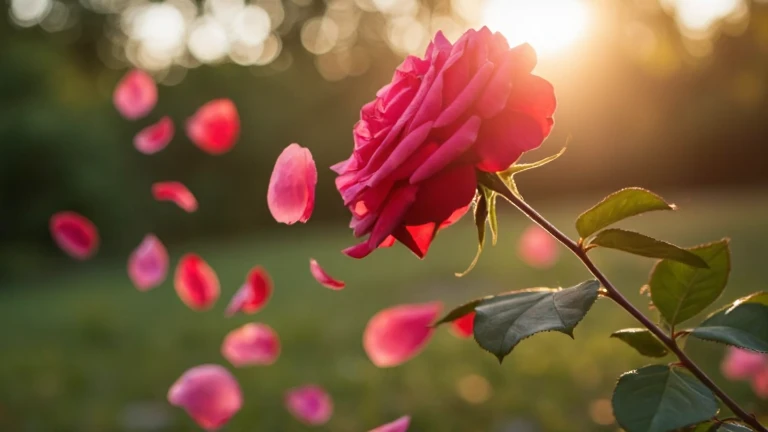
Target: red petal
760	384
75	234
442	195
399	425
291	193
135	95
537	248
324	278
417	238
503	139
395	335
449	151
148	264
464	326
215	126
740	364
253	295
209	394
155	137
309	404
196	283
177	193
251	345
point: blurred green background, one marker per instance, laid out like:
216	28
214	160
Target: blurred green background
667	94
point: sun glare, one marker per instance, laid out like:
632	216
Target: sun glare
548	25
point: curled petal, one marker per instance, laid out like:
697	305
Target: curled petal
251	345
196	283
537	248
324	278
154	137
310	404
395	335
464	326
148	264
75	234
253	295
135	95
177	193
740	364
209	394
291	193
399	425
215	127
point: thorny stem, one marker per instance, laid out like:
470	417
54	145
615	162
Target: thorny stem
580	252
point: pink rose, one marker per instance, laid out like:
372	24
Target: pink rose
473	105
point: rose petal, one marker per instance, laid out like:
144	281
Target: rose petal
253	295
760	384
395	335
537	248
135	95
209	394
251	345
740	364
215	127
310	404
399	425
154	137
196	283
291	193
464	326
148	264
75	234
177	193
324	278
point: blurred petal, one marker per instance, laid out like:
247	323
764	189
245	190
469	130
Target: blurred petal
251	345
135	95
253	295
740	364
464	326
148	264
399	425
537	248
154	137
215	127
209	394
324	278
177	193
291	193
75	234
309	404
196	283
760	384
395	335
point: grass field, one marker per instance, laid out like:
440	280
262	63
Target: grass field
81	350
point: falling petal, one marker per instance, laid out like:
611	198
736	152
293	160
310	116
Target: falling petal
395	335
154	137
215	127
291	193
196	283
253	295
399	425
324	278
251	345
135	95
760	384
148	264
177	193
537	248
209	394
740	364
464	326
310	404
75	234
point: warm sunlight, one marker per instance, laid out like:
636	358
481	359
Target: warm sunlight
548	25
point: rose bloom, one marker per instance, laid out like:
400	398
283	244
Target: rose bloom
472	105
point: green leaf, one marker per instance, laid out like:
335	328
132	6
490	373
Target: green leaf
680	291
744	325
617	206
721	427
659	398
639	244
642	340
481	216
460	311
503	321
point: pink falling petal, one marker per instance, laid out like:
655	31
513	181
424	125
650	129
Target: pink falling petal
177	193
251	345
155	137
399	425
74	234
464	326
148	264
215	127
537	248
291	192
135	95
395	335
196	283
760	384
310	404
324	278
253	295
740	364
209	394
